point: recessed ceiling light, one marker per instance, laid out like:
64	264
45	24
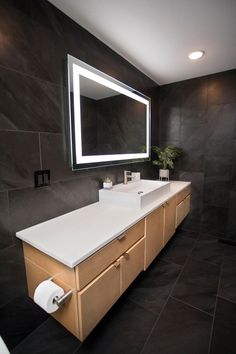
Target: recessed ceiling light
196	55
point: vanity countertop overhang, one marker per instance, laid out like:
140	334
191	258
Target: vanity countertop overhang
73	237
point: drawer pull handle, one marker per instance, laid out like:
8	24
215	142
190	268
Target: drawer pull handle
117	264
166	203
126	255
121	237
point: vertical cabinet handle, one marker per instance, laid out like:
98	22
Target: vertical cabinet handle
117	264
126	255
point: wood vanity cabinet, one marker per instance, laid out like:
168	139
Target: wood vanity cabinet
102	278
97	282
154	227
183	205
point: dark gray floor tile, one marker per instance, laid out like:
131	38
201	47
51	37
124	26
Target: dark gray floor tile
224	330
180	330
209	249
12	274
124	330
186	233
18	319
177	250
227	288
152	288
198	285
49	338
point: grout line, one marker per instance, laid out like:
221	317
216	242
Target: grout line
40	153
23	73
162	310
30	131
214	314
187	304
226	299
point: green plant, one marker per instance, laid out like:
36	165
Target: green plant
166	156
107	180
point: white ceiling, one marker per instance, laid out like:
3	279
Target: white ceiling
156	36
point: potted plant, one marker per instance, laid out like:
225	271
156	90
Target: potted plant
107	183
165	158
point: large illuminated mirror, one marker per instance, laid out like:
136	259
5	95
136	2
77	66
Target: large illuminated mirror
109	121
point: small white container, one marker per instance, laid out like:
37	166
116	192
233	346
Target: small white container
164	174
107	185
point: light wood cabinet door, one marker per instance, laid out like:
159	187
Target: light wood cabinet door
97	298
182	210
99	261
132	263
169	219
154	235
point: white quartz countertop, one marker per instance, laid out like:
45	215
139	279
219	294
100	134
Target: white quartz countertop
73	237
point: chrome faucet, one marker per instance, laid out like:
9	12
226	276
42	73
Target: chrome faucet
127	176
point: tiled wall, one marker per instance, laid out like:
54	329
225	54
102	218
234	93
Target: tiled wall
34	40
199	115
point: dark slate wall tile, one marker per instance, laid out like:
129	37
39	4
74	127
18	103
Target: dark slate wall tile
217	180
192	222
46	203
5	230
234	167
29	104
214	219
222	88
19	158
192	141
224	330
194	93
180	330
12	274
170	126
220	129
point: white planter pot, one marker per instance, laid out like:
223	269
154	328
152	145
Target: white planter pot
107	185
164	174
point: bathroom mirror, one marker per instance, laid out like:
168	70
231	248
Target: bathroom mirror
109	122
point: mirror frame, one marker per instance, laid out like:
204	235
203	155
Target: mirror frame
75	68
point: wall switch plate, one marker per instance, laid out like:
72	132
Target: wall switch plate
41	178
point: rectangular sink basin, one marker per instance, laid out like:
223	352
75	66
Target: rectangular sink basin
134	194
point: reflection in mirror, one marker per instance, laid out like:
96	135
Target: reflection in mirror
109	121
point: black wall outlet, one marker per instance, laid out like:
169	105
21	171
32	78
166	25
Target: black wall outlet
41	178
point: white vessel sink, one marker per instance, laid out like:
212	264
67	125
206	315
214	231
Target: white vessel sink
134	194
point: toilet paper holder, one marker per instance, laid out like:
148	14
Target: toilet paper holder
59	301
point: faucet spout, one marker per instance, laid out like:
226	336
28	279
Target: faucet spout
127	176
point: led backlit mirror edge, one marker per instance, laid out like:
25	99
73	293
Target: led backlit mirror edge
76	66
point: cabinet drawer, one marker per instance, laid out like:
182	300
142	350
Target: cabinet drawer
183	194
49	264
94	265
132	263
182	210
97	298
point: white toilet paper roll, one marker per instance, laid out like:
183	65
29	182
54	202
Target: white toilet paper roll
45	293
